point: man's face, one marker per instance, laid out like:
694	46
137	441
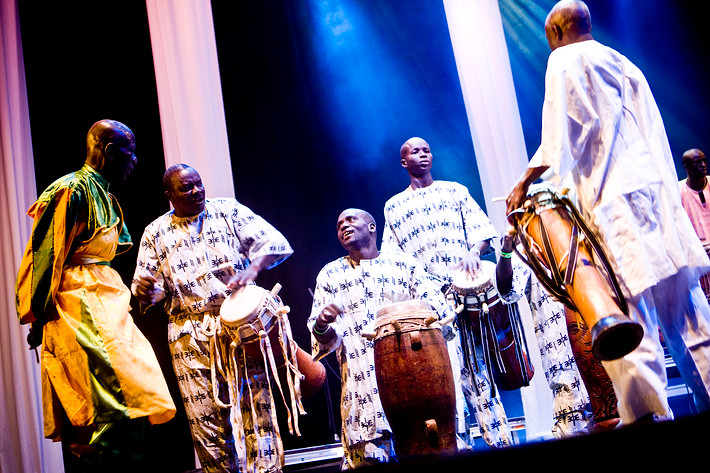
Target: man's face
354	229
695	163
122	158
418	160
187	194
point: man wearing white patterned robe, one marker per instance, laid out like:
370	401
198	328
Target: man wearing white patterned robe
349	292
440	224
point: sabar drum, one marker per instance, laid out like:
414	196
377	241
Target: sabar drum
415	379
569	260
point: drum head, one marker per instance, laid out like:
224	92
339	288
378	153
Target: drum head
242	306
463	283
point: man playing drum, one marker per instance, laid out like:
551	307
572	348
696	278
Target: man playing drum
193	258
349	292
601	125
440	224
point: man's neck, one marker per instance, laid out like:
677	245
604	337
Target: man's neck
364	253
420	182
697	183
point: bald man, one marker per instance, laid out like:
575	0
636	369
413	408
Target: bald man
694	194
100	376
349	292
441	225
601	127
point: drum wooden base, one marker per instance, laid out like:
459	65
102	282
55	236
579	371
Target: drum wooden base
602	397
417	390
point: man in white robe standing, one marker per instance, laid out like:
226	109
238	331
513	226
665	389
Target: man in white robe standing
601	125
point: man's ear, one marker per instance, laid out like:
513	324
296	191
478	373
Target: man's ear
557	30
109	150
403	162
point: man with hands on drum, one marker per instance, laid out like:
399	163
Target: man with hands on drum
192	258
601	125
442	226
349	292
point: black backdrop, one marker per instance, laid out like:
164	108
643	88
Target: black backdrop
318	98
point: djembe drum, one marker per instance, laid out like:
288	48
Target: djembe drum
415	379
253	333
559	248
496	328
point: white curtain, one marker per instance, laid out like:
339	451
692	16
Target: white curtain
486	81
190	91
23	447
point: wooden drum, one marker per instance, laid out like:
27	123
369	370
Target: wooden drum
252	313
559	248
496	328
415	379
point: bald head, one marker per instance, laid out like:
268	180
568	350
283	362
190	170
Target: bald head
568	22
104	132
414	142
110	147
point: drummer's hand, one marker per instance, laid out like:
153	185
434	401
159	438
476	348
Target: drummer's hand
519	192
507	241
471	263
148	291
517	197
328	314
243	277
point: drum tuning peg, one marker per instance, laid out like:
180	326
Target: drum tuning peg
448	320
430	320
368	335
275	290
284	310
263	334
397	326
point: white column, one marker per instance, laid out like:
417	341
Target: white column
190	91
22	443
486	80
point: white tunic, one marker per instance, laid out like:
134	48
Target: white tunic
437	224
601	124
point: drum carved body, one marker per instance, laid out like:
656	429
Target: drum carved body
415	380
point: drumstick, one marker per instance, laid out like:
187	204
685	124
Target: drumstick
499	198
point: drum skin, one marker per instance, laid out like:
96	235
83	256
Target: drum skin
417	391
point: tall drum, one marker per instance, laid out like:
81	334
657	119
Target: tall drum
496	328
415	379
570	262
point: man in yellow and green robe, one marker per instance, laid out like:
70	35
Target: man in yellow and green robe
99	373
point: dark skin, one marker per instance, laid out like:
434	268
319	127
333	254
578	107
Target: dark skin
504	267
695	165
187	194
568	22
358	235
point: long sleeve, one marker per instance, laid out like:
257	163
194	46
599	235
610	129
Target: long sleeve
55	227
